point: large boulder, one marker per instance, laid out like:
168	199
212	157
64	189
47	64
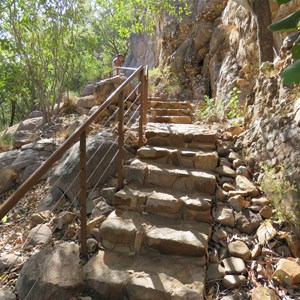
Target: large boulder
102	164
7	158
53	201
87	90
86	102
55	273
105	87
26	131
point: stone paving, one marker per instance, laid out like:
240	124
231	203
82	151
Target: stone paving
156	241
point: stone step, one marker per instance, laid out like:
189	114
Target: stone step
171	105
167	203
171	119
171	112
153	98
190	158
186	180
133	233
119	276
181	136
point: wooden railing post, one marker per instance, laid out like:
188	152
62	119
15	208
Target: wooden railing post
82	195
121	143
142	107
145	109
13	200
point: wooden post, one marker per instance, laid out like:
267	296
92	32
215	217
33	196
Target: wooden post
121	143
142	107
145	110
82	195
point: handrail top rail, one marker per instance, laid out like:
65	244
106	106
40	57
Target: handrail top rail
57	154
125	68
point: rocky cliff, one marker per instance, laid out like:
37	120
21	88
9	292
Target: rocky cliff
215	49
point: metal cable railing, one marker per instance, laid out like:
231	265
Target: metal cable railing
80	134
139	101
111	130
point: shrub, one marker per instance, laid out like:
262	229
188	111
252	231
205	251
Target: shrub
6	142
282	194
220	109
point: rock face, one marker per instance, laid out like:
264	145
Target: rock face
192	49
183	44
54	272
101	152
20	164
105	87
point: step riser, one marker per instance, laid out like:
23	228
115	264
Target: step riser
181	181
144	278
171	112
205	141
171	119
171	208
128	237
170	105
187	159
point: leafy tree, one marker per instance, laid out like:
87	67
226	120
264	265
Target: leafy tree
48	47
48	40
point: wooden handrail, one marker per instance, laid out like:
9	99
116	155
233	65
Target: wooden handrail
12	201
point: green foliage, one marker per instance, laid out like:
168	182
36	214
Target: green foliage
290	75
133	16
211	110
234	108
6	142
43	47
283	1
219	109
290	23
49	47
282	194
165	81
4	219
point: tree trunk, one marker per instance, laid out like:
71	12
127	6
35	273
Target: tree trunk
13	113
262	12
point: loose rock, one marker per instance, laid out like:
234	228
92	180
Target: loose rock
245	184
266	232
234	265
262	201
225	171
215	272
266	212
224	216
287	271
239	249
263	293
236	202
64	218
9	259
41	234
7	295
234	281
219	235
247	221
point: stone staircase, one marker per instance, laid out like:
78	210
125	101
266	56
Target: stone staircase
179	112
155	243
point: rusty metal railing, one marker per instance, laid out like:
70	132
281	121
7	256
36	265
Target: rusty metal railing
141	74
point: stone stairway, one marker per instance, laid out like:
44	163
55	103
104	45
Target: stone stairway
179	112
155	243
